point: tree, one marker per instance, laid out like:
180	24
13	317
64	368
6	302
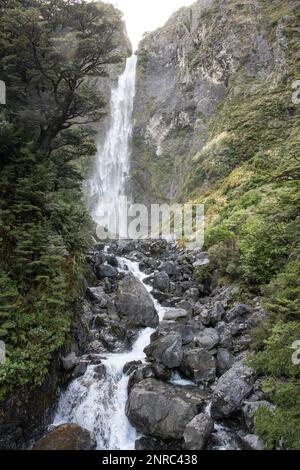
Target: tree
49	50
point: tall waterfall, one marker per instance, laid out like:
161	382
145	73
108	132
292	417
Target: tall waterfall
109	181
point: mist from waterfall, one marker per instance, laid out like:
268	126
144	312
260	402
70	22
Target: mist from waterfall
109	183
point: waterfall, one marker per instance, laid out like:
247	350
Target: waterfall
108	185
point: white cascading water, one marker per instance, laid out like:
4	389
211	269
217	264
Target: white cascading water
109	181
99	404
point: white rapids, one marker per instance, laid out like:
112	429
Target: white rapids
99	405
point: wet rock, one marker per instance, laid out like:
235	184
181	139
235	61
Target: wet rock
161	372
67	437
131	367
142	373
199	365
106	271
207	339
114	337
100	372
167	350
80	369
231	391
70	361
97	347
160	296
163	410
161	281
224	361
252	442
251	408
197	432
175	314
135	304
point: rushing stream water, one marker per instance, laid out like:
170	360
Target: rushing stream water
99	405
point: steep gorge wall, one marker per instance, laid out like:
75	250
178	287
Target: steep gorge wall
206	54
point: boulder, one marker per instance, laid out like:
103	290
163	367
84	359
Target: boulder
106	271
252	442
201	262
142	373
231	391
207	339
80	369
226	340
174	314
169	267
197	432
131	367
100	372
70	361
97	296
192	294
135	304
160	296
161	372
161	281
166	350
238	311
224	361
199	365
67	437
163	410
210	316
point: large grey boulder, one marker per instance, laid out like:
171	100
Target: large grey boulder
135	304
197	432
161	281
207	339
231	390
163	410
174	314
199	365
167	350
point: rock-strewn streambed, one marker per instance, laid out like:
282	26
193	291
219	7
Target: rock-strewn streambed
163	365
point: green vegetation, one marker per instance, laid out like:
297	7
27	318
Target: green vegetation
248	176
49	53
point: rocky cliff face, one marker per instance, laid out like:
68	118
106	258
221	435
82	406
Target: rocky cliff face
206	54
